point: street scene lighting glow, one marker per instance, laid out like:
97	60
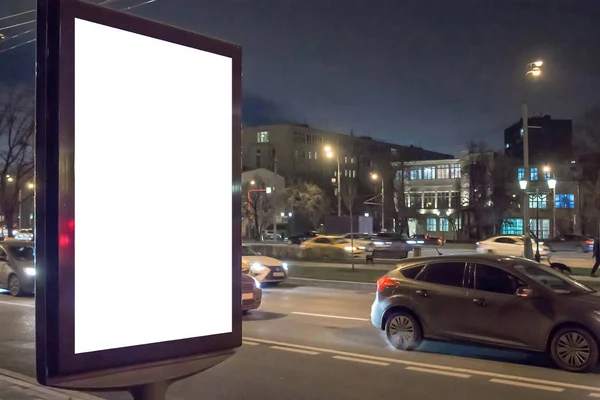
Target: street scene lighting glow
538	63
523	184
552	183
374	176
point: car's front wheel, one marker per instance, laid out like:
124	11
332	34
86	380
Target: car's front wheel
403	331
14	286
574	349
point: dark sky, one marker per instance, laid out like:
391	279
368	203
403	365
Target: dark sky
435	73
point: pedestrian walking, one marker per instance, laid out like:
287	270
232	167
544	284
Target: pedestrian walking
596	255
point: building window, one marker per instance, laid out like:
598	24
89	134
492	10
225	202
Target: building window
443	200
544	228
262	137
354	173
310	155
416	200
345	160
455	171
346	173
416	174
507	145
521	131
429	173
351	160
512	226
429	200
537	201
457	224
520	174
443	224
547	175
299	137
534	174
565	201
394	152
443	172
431	224
455	199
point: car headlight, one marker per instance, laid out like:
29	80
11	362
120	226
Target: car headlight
256	282
257	267
29	271
285	266
348	248
361	247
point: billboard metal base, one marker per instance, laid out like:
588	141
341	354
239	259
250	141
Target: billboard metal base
144	382
151	391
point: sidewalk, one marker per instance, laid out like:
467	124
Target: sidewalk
15	386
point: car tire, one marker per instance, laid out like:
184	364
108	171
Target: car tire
569	339
14	286
403	331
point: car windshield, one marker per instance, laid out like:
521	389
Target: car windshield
246	251
21	253
552	280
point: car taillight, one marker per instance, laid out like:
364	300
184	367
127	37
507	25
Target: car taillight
589	242
385	282
440	241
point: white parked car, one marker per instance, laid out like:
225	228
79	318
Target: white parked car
509	245
264	269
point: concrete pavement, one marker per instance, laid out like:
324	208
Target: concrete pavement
315	343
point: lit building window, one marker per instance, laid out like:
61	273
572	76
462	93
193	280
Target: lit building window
537	201
565	201
429	173
455	171
534	174
543	231
262	137
520	174
512	226
432	224
443	224
416	174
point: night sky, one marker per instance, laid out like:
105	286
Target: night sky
435	73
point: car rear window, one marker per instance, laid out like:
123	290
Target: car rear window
411	272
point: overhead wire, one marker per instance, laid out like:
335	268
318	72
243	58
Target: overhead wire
105	2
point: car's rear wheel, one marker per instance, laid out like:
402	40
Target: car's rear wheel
574	349
403	331
14	286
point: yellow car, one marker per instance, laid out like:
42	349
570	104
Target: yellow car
333	242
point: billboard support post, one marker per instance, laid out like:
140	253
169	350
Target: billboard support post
102	77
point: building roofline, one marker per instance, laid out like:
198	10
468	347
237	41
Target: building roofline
429	162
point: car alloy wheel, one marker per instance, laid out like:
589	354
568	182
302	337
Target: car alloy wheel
14	285
574	350
403	331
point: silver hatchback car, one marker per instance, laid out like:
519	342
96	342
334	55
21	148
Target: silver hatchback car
17	270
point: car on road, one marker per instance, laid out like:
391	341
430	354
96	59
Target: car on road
251	293
428	240
264	269
300	237
508	245
576	243
334	244
492	300
361	240
24	234
17	270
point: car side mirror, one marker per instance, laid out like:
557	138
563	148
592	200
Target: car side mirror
524	291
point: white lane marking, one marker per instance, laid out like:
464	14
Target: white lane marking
358	360
330	316
426	365
438	372
10	303
246	343
527	385
312	353
594	394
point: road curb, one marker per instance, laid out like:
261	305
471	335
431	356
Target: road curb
31	384
346	285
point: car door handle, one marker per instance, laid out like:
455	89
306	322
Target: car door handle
422	293
480	302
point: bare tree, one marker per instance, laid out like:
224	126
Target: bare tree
259	206
17	127
308	199
404	211
589	176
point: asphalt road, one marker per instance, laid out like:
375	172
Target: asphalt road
315	343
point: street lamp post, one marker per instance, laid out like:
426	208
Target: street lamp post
534	70
552	186
330	154
374	176
537	196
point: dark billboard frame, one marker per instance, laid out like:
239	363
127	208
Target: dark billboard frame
54	159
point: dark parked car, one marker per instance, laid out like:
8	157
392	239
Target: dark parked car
17	271
301	237
580	244
501	301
